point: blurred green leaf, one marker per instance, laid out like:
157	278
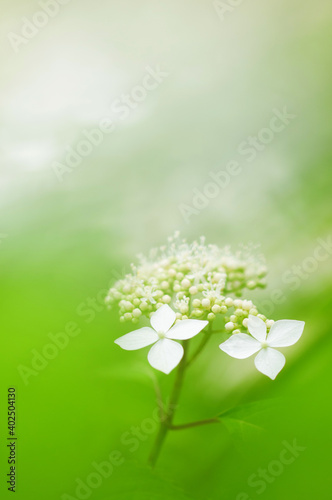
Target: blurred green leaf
247	421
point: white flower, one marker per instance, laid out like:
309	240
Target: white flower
283	333
199	275
165	354
149	294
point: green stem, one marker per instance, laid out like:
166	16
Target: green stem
166	418
204	341
195	424
166	422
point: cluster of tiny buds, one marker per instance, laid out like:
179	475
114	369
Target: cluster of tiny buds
239	319
195	280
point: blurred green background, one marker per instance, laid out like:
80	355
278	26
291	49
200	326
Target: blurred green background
63	243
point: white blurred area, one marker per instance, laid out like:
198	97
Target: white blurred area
225	79
67	75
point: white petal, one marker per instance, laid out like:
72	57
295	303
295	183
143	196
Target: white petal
137	339
257	328
269	362
186	329
165	355
163	319
240	346
285	332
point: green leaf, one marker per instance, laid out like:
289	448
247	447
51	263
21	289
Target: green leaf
246	422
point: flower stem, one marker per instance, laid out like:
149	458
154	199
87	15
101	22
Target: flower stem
195	424
204	341
166	418
166	421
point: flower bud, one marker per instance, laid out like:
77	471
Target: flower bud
206	303
229	326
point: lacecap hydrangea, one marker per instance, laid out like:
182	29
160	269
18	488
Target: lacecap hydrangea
198	280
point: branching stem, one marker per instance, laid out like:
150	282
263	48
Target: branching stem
167	420
204	341
194	424
166	417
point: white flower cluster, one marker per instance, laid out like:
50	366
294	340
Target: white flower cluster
195	279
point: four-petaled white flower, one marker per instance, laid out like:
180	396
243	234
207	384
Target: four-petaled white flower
283	333
165	354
